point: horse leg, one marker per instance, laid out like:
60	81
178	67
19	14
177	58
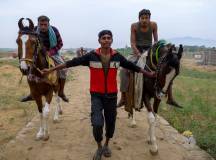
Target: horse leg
46	111
58	99
40	133
133	119
147	103
156	104
152	122
151	131
58	109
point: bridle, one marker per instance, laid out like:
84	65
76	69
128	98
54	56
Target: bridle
36	50
157	67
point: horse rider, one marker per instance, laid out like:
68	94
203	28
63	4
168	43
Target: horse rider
103	63
141	41
80	52
52	43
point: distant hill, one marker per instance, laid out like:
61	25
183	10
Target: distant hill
193	41
7	50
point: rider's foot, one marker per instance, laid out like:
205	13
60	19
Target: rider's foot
121	103
64	98
173	103
26	98
122	100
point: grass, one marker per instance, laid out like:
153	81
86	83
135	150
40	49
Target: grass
195	90
197	74
12	62
71	75
13	114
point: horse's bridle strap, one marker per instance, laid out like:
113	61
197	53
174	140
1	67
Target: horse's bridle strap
30	60
157	53
26	59
151	58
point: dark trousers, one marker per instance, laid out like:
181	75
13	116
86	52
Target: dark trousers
103	107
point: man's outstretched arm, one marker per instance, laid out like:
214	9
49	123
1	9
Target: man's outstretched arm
84	60
131	66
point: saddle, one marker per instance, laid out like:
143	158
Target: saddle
53	76
135	88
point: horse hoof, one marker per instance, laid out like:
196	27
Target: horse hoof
155	152
149	142
60	112
46	138
37	138
55	120
133	125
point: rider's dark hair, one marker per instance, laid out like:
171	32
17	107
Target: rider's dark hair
43	18
103	32
144	12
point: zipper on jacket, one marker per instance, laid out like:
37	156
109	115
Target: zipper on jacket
105	75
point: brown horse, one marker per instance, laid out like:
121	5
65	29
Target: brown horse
32	60
165	61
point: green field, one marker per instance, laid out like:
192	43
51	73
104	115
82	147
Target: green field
196	91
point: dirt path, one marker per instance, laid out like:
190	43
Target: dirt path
72	139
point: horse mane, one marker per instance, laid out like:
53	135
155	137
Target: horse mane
39	58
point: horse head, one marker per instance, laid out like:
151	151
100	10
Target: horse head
167	68
27	42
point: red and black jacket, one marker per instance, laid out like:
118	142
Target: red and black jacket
99	82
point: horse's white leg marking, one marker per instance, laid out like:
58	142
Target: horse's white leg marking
24	39
133	123
60	107
46	116
57	110
151	121
40	133
169	77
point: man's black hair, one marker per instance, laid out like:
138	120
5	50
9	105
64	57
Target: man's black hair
103	32
144	12
43	18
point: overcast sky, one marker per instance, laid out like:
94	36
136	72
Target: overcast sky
79	21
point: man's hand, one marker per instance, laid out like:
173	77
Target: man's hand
45	71
138	54
148	74
153	74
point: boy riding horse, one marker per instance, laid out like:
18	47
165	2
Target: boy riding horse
52	43
141	40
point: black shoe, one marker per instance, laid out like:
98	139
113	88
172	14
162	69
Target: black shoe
26	98
107	151
64	98
98	154
173	103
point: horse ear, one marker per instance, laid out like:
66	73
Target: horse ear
31	24
20	24
170	49
180	51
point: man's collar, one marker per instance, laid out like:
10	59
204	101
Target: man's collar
98	51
